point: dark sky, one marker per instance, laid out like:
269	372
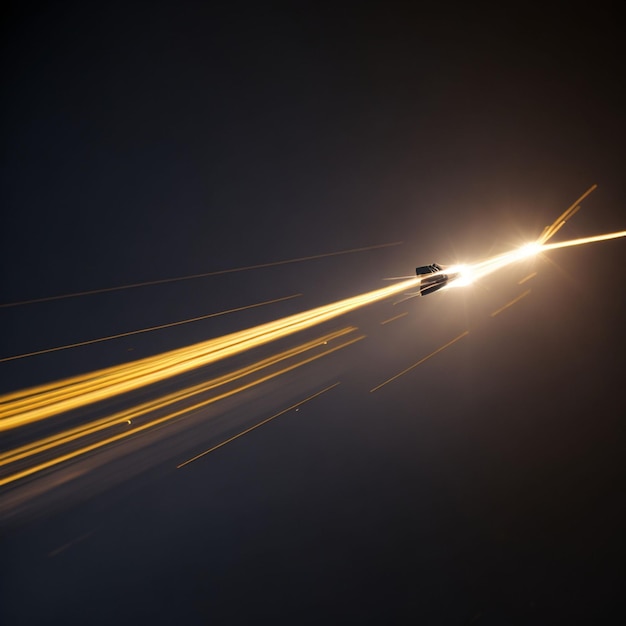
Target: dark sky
149	141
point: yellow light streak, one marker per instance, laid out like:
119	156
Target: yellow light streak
484	268
143	427
527	278
493	264
392	319
125	416
558	223
24	407
432	354
27	406
511	303
38	403
528	250
31	405
583	241
89	342
204	275
247	430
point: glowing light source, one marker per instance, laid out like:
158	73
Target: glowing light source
39	403
529	249
465	275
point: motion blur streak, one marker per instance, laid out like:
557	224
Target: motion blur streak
149	329
156	422
511	303
551	230
583	240
65	546
24	407
396	317
37	403
527	278
140	410
493	264
265	421
408	369
194	276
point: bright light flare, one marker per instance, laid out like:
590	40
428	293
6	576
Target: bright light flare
45	401
530	249
489	266
465	275
38	403
560	221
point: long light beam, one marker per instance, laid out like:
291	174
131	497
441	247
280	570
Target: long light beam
166	401
57	460
484	268
38	403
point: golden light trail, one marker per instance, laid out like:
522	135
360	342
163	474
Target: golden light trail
489	266
29	471
393	319
31	405
484	268
527	278
265	421
204	275
147	330
559	222
583	241
511	303
24	407
44	401
126	415
432	354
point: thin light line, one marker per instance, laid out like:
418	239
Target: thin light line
71	543
391	319
506	306
265	421
551	230
521	282
145	330
194	276
408	369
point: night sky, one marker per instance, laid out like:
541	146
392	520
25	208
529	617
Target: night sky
144	142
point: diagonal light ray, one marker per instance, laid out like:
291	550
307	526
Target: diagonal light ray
177	279
31	405
130	333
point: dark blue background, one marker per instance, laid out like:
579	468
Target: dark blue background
158	140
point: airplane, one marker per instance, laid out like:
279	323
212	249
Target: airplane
434	278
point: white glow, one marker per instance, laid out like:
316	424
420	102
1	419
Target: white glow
465	275
528	250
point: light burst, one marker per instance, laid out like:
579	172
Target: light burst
47	401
